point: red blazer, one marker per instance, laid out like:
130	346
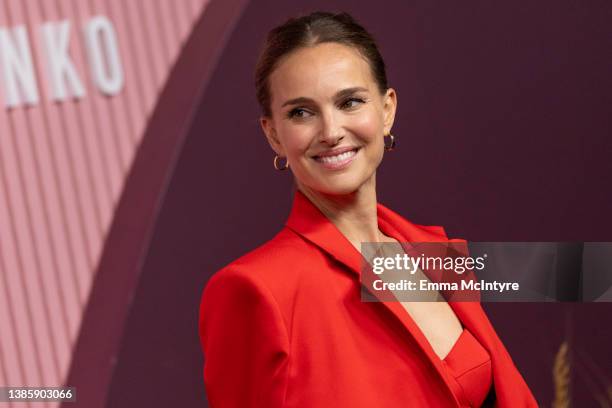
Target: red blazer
284	326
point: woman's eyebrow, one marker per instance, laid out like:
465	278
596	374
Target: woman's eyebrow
338	95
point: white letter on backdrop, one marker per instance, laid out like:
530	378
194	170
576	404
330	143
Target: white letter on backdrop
56	38
102	46
17	67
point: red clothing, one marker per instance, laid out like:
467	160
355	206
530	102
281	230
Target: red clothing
469	367
284	326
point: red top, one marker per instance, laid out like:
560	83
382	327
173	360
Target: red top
469	367
284	326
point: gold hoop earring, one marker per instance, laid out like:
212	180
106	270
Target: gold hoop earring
391	145
277	166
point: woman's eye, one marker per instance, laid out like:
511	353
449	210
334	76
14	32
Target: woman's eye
301	113
352	103
298	113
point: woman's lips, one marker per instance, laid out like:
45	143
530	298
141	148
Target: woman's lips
337	161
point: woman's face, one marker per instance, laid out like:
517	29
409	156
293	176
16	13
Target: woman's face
328	118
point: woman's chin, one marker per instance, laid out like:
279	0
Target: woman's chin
341	183
339	187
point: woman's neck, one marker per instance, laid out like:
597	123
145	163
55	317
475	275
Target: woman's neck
354	214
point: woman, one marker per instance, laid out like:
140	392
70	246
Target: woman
284	326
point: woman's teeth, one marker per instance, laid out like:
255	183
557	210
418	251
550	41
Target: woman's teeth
338	158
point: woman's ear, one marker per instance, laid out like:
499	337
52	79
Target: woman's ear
267	125
389	108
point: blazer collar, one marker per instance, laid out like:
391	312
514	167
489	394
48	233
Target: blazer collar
310	223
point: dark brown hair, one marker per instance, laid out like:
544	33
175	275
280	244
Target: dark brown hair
309	30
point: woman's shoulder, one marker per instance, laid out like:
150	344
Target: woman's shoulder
274	266
271	257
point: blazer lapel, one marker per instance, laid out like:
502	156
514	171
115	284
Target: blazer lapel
309	222
471	314
402	230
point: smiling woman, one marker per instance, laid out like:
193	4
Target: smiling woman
328	116
284	325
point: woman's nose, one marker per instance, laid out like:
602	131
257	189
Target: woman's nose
331	129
